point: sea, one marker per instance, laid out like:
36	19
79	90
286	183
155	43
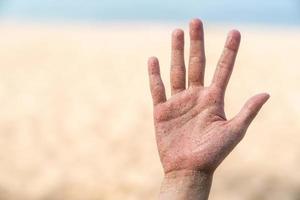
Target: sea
275	12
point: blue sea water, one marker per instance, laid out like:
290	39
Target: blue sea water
286	12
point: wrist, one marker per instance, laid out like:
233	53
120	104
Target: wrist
186	184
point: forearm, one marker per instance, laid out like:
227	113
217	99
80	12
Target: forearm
186	185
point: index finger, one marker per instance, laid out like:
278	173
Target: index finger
227	60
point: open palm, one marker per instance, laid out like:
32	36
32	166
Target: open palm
191	127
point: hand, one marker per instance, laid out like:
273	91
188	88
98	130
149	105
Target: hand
192	132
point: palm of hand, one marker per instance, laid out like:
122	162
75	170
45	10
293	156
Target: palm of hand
193	136
191	128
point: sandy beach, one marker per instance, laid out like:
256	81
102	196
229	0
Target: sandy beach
76	112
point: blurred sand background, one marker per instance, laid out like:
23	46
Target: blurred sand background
76	112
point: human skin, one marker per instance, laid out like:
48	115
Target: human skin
192	132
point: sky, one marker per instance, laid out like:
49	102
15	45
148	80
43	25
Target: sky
244	11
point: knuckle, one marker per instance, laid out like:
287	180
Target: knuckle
197	60
223	64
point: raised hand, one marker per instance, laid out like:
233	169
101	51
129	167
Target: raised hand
192	132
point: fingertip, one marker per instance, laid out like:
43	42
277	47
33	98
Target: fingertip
152	60
153	64
233	40
235	33
178	39
264	97
196	23
178	33
196	29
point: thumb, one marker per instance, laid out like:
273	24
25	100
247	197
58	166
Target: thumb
250	110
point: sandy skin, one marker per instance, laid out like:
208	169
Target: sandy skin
192	131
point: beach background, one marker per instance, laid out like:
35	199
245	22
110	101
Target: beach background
76	112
